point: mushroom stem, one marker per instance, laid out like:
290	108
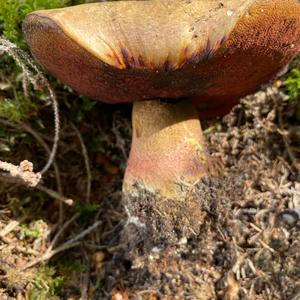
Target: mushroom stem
167	152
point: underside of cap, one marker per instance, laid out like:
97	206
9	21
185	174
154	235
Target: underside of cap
149	35
127	51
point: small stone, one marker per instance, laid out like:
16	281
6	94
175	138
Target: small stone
290	216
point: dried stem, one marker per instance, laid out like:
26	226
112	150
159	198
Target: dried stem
86	161
53	194
67	245
40	140
24	171
62	229
35	76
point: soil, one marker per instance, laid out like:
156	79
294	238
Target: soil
246	244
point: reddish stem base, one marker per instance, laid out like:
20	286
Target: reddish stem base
167	152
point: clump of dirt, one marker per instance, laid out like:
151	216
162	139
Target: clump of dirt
156	222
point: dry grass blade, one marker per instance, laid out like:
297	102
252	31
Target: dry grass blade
86	162
8	228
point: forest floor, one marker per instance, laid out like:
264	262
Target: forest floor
69	237
65	238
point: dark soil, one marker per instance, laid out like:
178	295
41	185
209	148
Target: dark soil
246	244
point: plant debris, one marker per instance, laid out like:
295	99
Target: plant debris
24	171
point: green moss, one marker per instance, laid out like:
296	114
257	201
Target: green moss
27	232
13	105
16	109
49	282
13	12
46	284
87	208
68	266
293	83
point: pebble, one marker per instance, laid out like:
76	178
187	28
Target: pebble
290	216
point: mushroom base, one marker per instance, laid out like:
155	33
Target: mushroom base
167	154
157	222
167	158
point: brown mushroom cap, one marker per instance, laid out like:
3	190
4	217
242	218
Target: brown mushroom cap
212	51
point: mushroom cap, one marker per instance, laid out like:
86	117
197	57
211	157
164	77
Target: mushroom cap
211	51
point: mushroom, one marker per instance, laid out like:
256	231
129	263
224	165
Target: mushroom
175	60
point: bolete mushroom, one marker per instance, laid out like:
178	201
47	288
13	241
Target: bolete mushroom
175	60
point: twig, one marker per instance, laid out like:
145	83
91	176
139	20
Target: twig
62	229
86	278
255	227
84	233
9	228
40	140
24	171
36	135
40	187
26	251
86	161
55	195
49	255
266	246
67	245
